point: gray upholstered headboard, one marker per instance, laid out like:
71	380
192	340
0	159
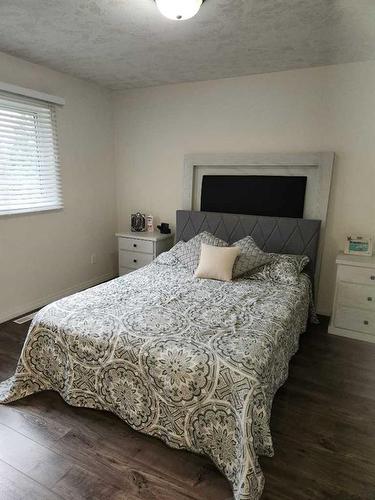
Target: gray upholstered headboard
271	234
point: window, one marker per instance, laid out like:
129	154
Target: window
29	162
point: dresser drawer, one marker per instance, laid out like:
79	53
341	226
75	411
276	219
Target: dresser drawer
355	319
357	275
352	294
136	245
134	260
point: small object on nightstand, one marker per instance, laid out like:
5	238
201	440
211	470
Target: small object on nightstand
354	305
138	222
358	245
150	224
138	250
164	228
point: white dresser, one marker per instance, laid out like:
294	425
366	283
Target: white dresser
136	250
354	305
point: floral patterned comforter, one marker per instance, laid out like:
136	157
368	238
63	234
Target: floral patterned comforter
193	362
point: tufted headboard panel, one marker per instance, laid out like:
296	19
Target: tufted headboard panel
271	234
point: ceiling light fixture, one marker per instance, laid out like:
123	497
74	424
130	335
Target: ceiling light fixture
179	10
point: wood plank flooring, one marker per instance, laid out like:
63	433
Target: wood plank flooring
323	425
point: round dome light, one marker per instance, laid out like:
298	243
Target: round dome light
179	10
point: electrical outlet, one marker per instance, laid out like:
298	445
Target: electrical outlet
93	258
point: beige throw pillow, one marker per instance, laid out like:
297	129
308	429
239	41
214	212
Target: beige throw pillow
216	263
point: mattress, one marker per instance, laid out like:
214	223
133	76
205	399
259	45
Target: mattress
193	362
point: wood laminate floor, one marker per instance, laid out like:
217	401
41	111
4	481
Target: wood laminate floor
323	424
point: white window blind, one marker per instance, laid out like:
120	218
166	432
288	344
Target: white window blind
29	160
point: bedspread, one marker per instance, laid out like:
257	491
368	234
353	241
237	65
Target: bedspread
193	362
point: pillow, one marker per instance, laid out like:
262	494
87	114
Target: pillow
216	262
188	254
280	267
250	258
169	258
283	268
300	261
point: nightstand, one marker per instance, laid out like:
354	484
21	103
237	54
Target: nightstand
354	305
136	250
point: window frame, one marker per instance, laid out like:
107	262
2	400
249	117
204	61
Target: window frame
30	125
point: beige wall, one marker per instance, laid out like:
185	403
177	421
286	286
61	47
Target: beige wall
46	255
321	109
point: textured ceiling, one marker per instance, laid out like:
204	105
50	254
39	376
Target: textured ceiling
127	43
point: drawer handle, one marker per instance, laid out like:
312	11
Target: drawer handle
135	246
369	299
365	322
134	260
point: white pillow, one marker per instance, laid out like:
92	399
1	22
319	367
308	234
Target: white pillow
216	263
188	254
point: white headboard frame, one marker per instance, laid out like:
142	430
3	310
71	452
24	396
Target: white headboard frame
317	167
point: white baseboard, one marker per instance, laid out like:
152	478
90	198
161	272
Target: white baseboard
42	301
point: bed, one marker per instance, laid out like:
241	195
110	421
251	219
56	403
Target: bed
193	362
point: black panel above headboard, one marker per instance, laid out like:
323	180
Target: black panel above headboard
271	234
266	195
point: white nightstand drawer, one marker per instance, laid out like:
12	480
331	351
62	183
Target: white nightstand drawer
353	312
136	250
136	245
357	275
134	260
351	294
355	319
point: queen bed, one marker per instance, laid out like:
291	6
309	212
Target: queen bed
194	362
